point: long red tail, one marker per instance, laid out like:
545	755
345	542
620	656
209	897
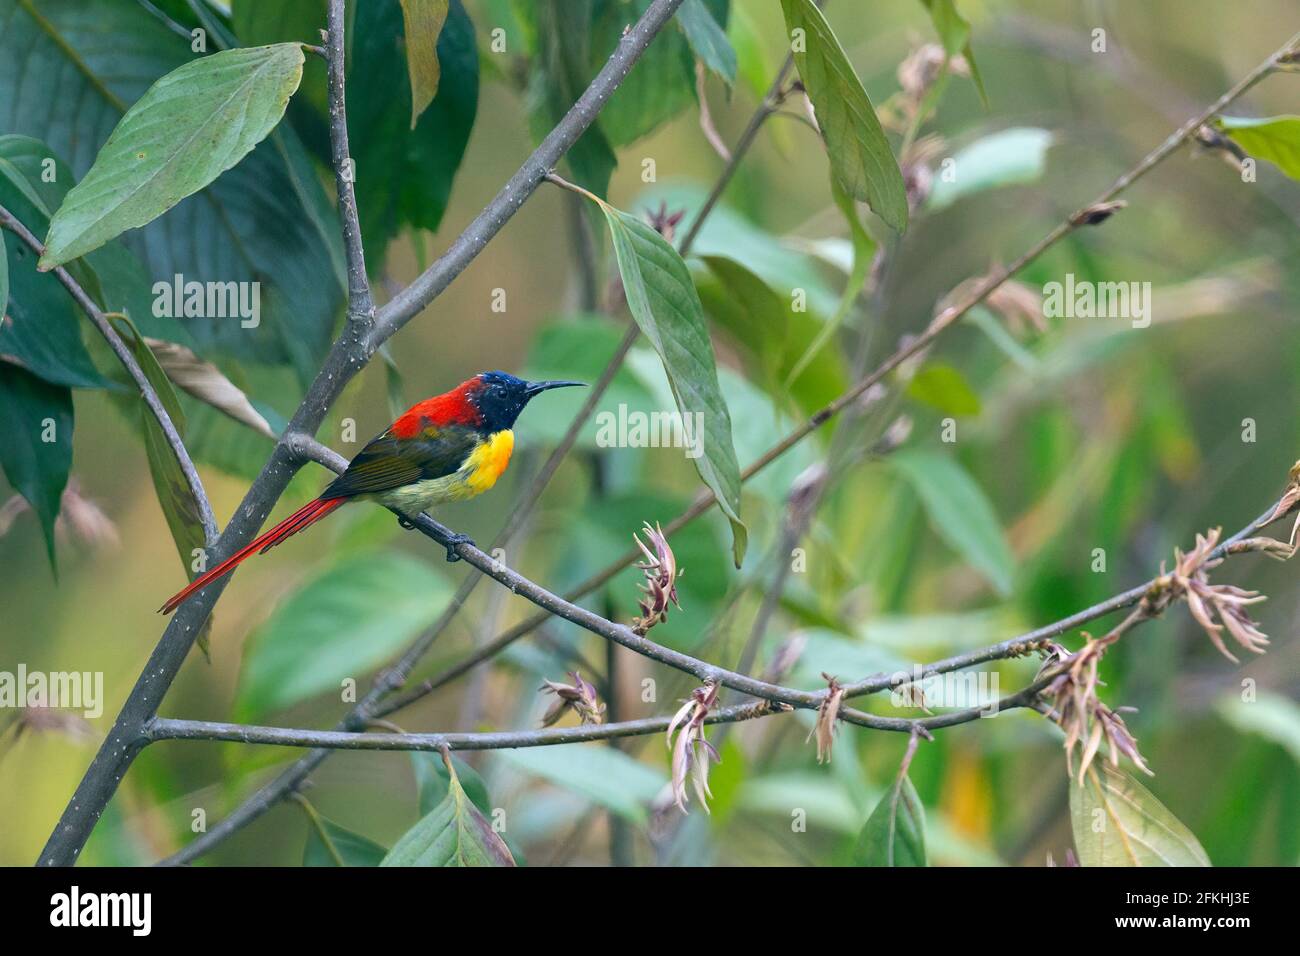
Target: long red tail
305	516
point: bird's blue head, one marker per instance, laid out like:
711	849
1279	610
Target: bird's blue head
500	397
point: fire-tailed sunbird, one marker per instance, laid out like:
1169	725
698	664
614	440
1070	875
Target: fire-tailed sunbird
446	448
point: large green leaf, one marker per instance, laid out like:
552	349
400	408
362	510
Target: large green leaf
602	774
342	623
1118	822
188	128
663	300
1275	138
859	152
959	512
707	39
352	848
267	220
36	442
404	174
894	834
454	833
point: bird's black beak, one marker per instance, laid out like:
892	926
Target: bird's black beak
533	388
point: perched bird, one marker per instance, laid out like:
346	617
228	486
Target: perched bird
446	448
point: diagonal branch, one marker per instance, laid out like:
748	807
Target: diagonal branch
9	221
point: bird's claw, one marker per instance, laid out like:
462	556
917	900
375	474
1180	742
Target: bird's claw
405	523
453	542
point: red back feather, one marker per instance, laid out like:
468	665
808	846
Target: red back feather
449	408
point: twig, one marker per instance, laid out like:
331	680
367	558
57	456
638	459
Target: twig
361	307
209	521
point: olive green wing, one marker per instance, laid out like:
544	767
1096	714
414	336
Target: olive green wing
388	462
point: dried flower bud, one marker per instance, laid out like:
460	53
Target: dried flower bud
661	573
691	751
664	222
827	715
918	72
1289	500
580	697
1097	213
1080	713
1190	580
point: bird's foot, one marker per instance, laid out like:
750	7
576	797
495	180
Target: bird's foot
405	523
453	542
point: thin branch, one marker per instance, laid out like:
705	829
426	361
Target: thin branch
349	354
97	318
361	307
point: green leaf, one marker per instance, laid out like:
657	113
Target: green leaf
342	623
42	328
1270	715
190	127
422	22
859	152
353	848
1017	155
894	834
220	234
707	39
663	300
1275	138
404	173
959	512
563	34
660	85
1117	822
433	781
174	495
454	833
941	386
36	442
4	279
602	774
954	34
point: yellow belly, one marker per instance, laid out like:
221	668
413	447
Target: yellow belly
482	467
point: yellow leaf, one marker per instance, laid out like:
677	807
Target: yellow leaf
423	20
